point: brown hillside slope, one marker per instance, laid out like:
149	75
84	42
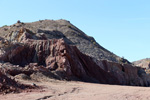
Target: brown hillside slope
64	29
144	63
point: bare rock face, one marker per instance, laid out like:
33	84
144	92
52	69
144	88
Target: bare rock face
29	53
57	56
8	85
57	29
126	74
144	63
67	61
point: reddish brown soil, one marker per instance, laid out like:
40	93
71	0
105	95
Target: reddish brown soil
62	90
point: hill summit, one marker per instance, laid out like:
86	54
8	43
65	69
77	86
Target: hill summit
63	29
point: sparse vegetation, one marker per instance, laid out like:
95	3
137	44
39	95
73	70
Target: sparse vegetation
94	43
124	61
121	60
18	21
79	34
4	25
69	26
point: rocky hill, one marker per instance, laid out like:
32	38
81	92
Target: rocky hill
26	52
62	29
144	63
58	50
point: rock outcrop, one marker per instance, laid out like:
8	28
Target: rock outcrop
35	53
127	74
8	85
57	56
144	63
57	29
60	50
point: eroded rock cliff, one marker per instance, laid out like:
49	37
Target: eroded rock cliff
25	48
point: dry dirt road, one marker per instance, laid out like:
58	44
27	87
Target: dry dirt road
62	90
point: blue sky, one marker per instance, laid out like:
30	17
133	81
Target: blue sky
121	26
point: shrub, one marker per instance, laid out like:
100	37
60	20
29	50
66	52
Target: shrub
94	43
69	26
4	25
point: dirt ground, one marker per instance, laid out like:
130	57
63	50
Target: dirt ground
63	90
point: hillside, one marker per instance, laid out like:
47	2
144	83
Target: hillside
144	63
63	29
28	48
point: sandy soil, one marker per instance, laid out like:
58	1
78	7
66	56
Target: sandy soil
62	90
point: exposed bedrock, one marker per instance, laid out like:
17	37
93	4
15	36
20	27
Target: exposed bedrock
59	57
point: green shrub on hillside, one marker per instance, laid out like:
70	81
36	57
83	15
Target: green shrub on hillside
4	25
69	26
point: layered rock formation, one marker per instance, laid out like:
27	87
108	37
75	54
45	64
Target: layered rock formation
8	85
127	74
144	63
30	51
57	56
56	29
